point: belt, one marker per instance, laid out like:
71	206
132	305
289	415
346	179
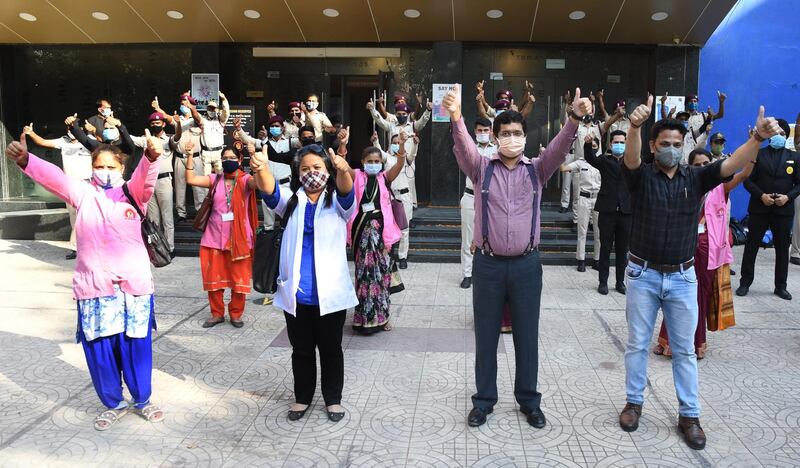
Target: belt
285	180
507	257
469	191
206	148
403	191
661	268
181	155
588	194
164	175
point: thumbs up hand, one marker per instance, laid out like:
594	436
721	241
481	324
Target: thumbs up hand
640	115
766	127
154	146
581	106
452	102
17	151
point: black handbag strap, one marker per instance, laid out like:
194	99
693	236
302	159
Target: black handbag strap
132	201
290	206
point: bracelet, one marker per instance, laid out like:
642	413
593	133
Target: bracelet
758	137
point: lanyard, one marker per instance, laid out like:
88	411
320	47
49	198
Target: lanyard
229	193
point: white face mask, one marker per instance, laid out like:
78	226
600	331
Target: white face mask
107	112
106	178
512	146
482	138
311	105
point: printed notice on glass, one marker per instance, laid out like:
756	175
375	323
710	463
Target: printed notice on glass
440	90
205	87
673	102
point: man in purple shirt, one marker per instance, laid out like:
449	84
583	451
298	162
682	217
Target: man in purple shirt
506	266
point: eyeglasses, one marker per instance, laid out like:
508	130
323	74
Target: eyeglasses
506	134
316	149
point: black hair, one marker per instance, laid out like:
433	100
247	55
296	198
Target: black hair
314	95
306	128
784	126
371	150
316	150
618	132
100	101
667	124
509	117
483	122
699	152
239	153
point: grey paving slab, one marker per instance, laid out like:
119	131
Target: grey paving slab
407	392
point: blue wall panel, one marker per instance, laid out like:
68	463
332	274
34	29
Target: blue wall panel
754	57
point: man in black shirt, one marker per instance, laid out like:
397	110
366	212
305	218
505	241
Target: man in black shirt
614	206
773	186
666	199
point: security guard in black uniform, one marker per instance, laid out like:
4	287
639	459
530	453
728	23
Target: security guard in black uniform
773	186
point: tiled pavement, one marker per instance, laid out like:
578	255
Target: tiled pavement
226	391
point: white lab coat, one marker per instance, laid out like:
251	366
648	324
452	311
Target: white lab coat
334	285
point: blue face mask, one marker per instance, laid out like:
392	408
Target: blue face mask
617	149
777	142
275	131
184	110
692	106
394	148
373	168
110	134
685	124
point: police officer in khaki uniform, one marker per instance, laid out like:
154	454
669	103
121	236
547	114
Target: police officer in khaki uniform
588	188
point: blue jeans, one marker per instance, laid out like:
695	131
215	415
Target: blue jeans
675	294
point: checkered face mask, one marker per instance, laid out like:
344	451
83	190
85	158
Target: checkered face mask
314	181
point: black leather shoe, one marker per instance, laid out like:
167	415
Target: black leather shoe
629	417
692	432
477	417
563	209
466	283
402	264
181	219
742	290
581	266
535	417
793	261
621	288
296	415
237	323
733	273
783	294
335	417
213	321
603	289
72	255
172	255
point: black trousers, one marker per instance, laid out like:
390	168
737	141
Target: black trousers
307	332
757	225
615	231
496	281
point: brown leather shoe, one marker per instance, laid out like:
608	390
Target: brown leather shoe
692	432
629	417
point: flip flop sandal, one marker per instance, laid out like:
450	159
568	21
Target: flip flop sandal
387	326
151	413
107	418
658	350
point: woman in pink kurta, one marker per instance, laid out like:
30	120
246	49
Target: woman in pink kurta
112	282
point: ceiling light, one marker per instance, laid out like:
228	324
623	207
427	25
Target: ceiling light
330	12
174	14
27	17
494	14
659	16
577	15
252	14
411	13
99	15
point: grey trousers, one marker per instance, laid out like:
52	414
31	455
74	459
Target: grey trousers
496	281
159	209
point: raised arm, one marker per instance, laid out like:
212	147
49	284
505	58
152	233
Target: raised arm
143	180
740	177
259	164
765	128
344	173
392	173
191	178
226	109
633	144
609	121
663	101
382	107
48	175
556	152
467	156
379	121
157	108
413	154
721	97
601	104
420	123
80	135
39	141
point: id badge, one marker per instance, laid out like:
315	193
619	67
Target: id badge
701	228
368	207
227	216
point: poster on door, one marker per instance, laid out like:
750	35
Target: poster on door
440	90
676	102
205	87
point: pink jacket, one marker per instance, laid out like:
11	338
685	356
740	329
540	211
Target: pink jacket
391	233
716	212
108	230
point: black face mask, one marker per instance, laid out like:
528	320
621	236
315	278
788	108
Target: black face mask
587	118
402	119
156	129
307	141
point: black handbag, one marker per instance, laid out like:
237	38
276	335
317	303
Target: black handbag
267	254
152	235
